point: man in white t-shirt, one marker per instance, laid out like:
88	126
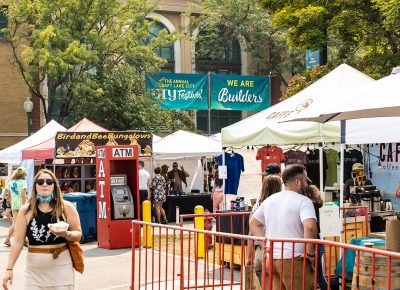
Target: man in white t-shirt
144	186
289	214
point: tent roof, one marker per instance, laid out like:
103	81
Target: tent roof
183	144
379	99
265	127
13	154
45	150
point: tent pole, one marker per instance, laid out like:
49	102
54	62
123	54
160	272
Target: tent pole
209	105
321	163
341	187
207	176
223	180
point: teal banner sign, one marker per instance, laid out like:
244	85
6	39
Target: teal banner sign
179	91
233	92
313	58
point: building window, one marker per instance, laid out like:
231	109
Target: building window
219	119
3	21
228	62
166	52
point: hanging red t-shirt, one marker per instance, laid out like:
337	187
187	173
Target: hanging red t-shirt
269	155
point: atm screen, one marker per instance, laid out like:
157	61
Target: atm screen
119	191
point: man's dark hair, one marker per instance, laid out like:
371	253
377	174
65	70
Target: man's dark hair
141	163
292	171
157	170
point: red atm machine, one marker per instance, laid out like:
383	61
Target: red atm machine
117	187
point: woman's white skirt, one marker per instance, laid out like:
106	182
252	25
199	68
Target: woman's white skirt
44	272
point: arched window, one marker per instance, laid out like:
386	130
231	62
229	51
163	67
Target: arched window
166	52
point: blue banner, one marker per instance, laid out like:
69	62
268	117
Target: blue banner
179	91
234	92
385	169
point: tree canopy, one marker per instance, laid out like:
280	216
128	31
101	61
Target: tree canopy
221	22
87	58
364	34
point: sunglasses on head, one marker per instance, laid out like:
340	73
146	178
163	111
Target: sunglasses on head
41	181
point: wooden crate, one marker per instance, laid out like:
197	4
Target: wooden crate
223	254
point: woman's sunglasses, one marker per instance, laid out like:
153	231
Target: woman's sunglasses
42	181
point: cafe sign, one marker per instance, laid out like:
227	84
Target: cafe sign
233	92
82	144
179	91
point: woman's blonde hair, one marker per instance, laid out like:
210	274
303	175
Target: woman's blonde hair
57	202
271	184
313	193
18	173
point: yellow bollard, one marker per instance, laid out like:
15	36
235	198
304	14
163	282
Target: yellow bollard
199	225
147	240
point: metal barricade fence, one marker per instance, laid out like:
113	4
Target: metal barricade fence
173	263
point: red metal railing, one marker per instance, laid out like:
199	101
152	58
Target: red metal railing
173	263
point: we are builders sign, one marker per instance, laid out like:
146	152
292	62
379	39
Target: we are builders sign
226	92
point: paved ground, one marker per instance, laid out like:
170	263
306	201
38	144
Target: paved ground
111	269
104	269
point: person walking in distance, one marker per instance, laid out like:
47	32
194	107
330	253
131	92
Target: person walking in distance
16	192
158	195
289	214
144	186
48	262
218	195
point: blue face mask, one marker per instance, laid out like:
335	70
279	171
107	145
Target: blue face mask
44	199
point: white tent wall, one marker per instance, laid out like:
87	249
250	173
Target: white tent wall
193	167
250	179
376	130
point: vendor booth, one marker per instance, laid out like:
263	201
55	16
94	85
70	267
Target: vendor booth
364	123
270	127
45	149
191	151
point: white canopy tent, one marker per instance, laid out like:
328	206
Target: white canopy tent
266	127
270	126
380	101
370	120
13	154
183	144
187	149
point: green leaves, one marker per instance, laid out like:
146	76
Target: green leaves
90	54
364	34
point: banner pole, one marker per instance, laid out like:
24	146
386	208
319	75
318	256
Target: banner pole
209	104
